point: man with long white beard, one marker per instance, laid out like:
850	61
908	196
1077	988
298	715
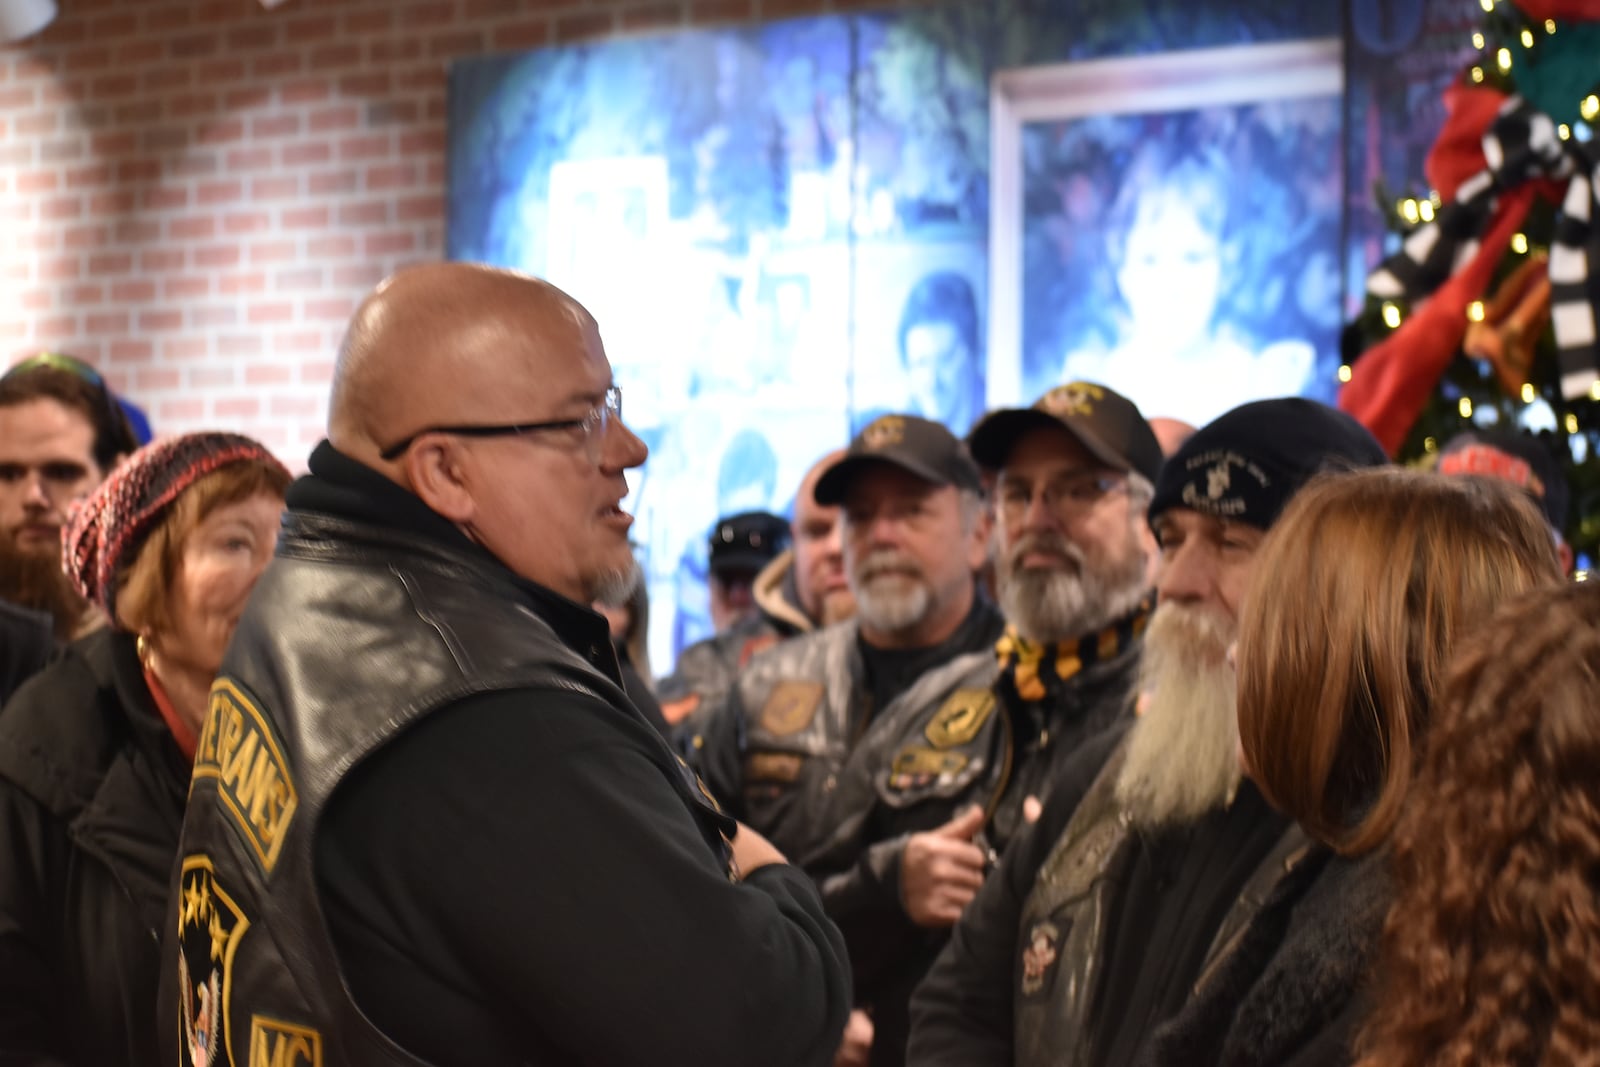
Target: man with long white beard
949	770
1152	851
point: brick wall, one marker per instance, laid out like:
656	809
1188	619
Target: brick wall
195	193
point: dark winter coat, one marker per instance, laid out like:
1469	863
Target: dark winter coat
92	791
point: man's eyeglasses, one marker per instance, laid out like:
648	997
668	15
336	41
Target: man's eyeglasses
593	423
1065	497
118	429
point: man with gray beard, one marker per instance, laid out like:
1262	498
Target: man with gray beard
949	768
1152	851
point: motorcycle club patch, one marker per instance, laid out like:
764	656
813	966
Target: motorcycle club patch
791	707
239	750
210	925
959	718
280	1044
917	767
1039	956
772	767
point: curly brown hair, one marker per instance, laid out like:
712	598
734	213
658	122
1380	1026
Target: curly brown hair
1491	951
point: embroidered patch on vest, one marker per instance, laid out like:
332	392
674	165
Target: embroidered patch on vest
791	707
1039	956
280	1044
960	717
772	767
917	766
238	749
210	925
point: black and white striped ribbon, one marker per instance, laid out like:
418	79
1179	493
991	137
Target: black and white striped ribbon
1521	145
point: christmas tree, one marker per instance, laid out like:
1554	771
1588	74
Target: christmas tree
1486	317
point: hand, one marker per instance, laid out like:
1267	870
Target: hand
942	870
752	851
856	1048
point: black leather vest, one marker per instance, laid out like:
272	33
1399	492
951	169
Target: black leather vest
353	633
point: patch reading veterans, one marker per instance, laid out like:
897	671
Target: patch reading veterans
238	750
1039	956
916	767
280	1044
210	925
790	707
960	717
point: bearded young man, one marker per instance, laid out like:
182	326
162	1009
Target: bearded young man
942	779
1152	851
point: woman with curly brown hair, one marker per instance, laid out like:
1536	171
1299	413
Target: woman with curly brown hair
1491	952
1360	594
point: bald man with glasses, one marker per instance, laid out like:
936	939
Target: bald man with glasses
428	826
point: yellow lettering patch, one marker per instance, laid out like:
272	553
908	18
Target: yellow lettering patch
916	767
959	718
772	767
280	1044
791	707
237	749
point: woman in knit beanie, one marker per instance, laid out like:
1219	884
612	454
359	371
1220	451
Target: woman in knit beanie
96	750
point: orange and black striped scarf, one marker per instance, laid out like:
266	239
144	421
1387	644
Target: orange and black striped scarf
1032	673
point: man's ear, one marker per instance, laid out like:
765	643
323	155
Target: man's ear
439	479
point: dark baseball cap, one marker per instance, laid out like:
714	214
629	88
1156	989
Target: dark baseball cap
1513	457
747	541
913	444
1245	466
1102	420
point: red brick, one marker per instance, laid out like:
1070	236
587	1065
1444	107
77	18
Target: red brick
38	123
61	207
452	45
370	83
184	348
306	152
367	23
181	409
306	218
388	112
185	288
248	159
237	407
428	13
391	176
218	315
273	252
331	246
138	170
655	16
517	36
275	126
249	38
219	72
167	18
166	78
194	227
334	309
16	97
242	284
117	262
132	350
166	198
56	328
296	407
222	192
138	112
328	119
211	377
44	240
363	274
274	188
578	27
334	56
391	243
157	378
138	53
384	52
88	177
301	342
363	214
419	209
192	105
223	132
268	374
113	25
193	45
134	291
36	300
116	202
311	29
196	165
164	319
275	64
107	322
702	12
217	256
38	181
157	141
339	181
79	295
304	278
161	259
318	373
60	151
60	269
137	231
305	91
368	146
245	222
81	237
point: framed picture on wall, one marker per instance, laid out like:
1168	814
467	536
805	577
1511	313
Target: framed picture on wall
1169	225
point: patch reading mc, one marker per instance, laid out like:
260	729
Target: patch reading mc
791	707
238	750
959	718
280	1044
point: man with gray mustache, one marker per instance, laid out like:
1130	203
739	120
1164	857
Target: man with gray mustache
942	780
1152	851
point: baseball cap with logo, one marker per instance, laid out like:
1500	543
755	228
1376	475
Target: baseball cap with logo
1245	465
1512	457
747	541
1104	421
913	444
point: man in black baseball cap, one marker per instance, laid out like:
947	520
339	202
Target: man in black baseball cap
740	545
914	529
1151	849
1523	461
